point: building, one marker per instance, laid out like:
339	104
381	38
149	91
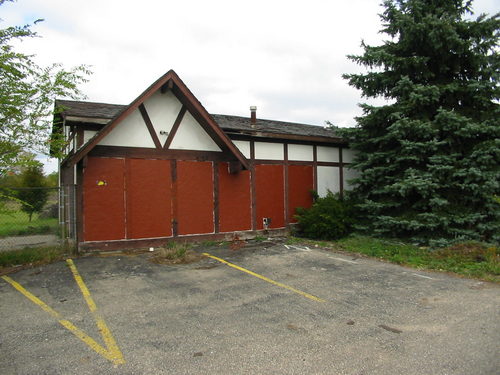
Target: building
163	168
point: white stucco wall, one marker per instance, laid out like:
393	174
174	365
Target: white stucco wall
191	136
163	109
269	151
328	179
131	132
87	135
244	147
300	152
328	154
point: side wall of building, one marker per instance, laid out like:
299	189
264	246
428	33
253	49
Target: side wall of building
128	198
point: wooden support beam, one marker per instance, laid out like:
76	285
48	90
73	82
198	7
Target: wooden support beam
175	127
173	176
150	126
169	85
235	167
215	167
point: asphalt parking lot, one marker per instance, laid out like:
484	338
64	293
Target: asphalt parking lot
271	309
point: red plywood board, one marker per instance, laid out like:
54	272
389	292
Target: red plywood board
234	200
300	184
270	195
195	197
148	194
103	199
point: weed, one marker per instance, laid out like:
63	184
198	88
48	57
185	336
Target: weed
175	253
259	238
471	259
31	256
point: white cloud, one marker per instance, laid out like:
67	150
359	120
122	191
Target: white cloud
286	57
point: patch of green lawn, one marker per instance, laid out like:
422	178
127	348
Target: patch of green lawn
18	224
470	259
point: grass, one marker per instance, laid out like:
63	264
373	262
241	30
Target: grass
18	224
30	256
175	253
470	259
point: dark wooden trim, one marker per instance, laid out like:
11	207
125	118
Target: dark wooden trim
262	161
79	137
206	121
315	168
252	150
235	167
216	196
173	177
188	99
341	173
137	244
85	125
285	167
277	137
150	126
126	206
79	203
167	86
253	192
175	127
153	153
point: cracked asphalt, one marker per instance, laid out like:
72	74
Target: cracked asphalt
208	317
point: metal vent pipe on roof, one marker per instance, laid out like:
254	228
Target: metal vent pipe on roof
253	115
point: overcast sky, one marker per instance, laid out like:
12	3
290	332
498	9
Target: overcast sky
285	57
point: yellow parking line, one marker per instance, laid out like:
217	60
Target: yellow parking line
112	352
304	294
110	342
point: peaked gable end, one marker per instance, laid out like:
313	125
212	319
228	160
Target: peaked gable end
165	116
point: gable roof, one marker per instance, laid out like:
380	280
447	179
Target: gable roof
230	124
170	80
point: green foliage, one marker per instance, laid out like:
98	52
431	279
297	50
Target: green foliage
429	161
33	256
471	259
33	195
330	217
27	92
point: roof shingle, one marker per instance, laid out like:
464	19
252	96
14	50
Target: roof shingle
228	123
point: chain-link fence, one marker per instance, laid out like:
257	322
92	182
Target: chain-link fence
36	217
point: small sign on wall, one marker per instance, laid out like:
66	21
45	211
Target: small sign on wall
101	183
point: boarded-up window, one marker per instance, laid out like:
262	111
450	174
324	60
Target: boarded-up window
103	199
234	200
269	183
300	184
148	187
195	197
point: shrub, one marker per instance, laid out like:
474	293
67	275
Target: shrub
330	217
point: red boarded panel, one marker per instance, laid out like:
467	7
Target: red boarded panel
195	197
300	184
148	186
103	199
270	192
234	200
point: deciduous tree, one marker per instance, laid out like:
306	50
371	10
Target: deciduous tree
27	93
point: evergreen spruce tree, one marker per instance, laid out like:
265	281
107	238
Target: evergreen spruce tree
429	160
